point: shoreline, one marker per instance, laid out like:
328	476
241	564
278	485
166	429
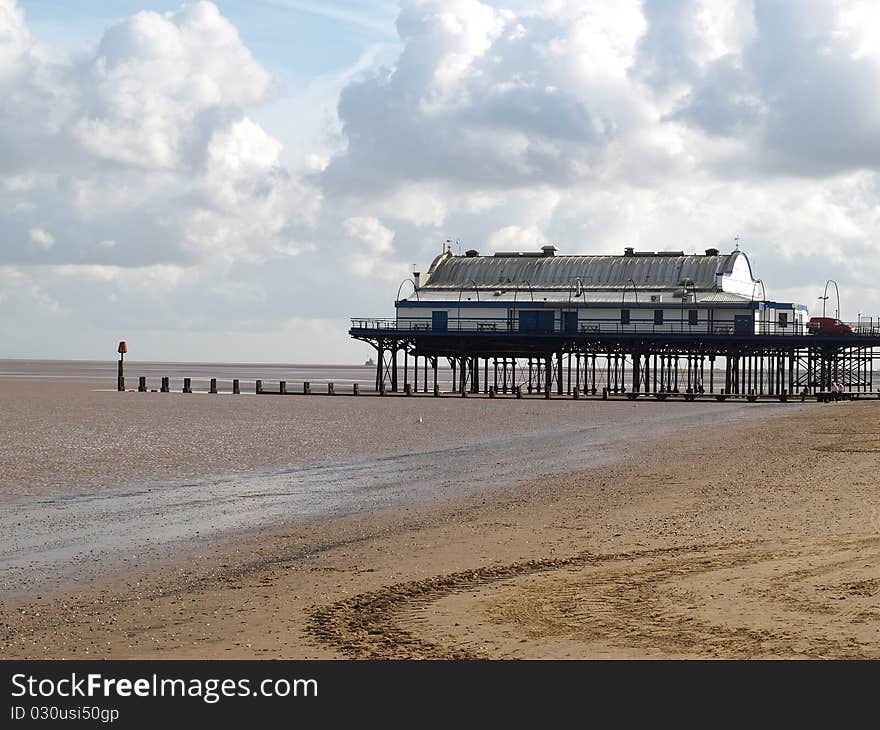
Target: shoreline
463	577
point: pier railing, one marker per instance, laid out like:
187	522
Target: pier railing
586	327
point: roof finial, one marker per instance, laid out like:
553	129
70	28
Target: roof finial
736	238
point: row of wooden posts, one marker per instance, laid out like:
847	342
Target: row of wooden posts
259	389
165	387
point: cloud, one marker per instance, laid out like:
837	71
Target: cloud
161	85
147	140
162	183
491	98
797	90
368	246
41	238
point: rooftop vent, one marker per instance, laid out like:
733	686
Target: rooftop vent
549	250
628	251
471	252
711	252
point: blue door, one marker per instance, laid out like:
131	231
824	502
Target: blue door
570	322
439	321
743	324
535	321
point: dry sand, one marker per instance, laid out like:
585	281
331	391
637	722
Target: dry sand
759	538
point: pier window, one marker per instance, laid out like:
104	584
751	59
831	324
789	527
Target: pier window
783	319
658	316
693	317
624	316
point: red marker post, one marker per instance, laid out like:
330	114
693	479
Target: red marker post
120	377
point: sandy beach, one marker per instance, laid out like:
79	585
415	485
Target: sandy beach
510	529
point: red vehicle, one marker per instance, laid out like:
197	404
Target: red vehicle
828	326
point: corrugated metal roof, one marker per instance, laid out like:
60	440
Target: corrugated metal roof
721	297
522	296
656	272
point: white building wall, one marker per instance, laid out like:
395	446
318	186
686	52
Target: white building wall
720	319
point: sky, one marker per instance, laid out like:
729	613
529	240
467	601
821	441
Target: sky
232	181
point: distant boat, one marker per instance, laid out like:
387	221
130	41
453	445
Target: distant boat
370	362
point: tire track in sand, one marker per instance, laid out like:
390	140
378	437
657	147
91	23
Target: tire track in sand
643	599
366	626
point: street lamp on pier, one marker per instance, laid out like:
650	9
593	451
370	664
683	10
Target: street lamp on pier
824	298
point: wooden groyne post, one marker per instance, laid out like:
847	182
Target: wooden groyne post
120	374
236	387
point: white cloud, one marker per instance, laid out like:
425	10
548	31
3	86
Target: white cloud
368	249
147	140
159	170
516	238
159	85
43	239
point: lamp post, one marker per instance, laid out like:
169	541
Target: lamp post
623	295
460	292
763	300
685	283
824	298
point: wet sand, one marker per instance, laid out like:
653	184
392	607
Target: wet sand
93	480
735	530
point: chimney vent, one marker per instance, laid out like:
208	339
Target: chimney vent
549	250
711	252
471	252
628	251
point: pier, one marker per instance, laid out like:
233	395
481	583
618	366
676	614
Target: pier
660	324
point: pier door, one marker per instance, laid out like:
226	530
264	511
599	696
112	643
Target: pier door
439	321
743	324
535	321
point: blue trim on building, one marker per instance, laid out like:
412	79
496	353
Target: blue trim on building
488	303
